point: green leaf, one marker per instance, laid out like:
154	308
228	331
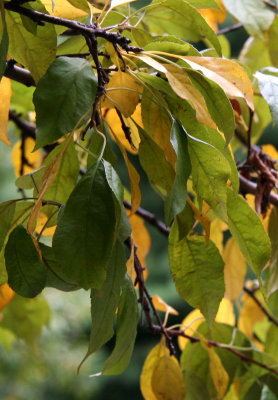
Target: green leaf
81	4
31	180
35	52
197	270
172	45
4	44
268	85
217	103
62	97
85	233
153	160
247	229
26	273
126	331
26	318
253	14
7	210
6	338
104	302
52	278
210	172
176	200
273	266
179	18
271	344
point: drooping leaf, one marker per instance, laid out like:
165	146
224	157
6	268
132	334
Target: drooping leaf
26	273
33	314
141	237
126	330
105	301
70	81
5	99
268	85
85	233
35	52
234	271
176	199
248	231
253	14
197	270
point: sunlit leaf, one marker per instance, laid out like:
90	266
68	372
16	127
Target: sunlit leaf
160	305
6	295
65	8
6	93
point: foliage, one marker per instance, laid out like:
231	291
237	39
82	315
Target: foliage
130	78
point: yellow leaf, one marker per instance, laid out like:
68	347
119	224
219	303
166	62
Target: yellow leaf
5	99
34	159
227	74
217	227
148	368
218	373
123	92
233	391
234	271
161	305
141	237
41	221
167	379
250	314
63	9
6	295
270	150
214	17
184	88
115	127
224	315
201	217
130	264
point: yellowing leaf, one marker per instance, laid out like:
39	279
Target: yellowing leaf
182	85
214	17
148	368
234	271
41	221
201	217
218	373
130	264
123	92
161	305
34	159
115	127
270	150
141	237
227	74
63	9
5	99
6	295
250	314
217	227
167	379
224	315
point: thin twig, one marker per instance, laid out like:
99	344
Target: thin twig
229	29
251	293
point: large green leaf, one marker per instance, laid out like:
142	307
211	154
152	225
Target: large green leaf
62	97
179	18
210	172
127	319
253	14
176	200
155	164
35	52
268	85
197	270
7	210
26	273
104	301
26	318
247	229
85	233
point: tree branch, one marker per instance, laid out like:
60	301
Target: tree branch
229	29
251	293
18	74
247	186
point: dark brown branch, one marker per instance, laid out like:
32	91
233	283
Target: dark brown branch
28	127
247	186
149	217
270	4
229	29
251	293
18	74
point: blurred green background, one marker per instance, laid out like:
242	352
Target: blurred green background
50	371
